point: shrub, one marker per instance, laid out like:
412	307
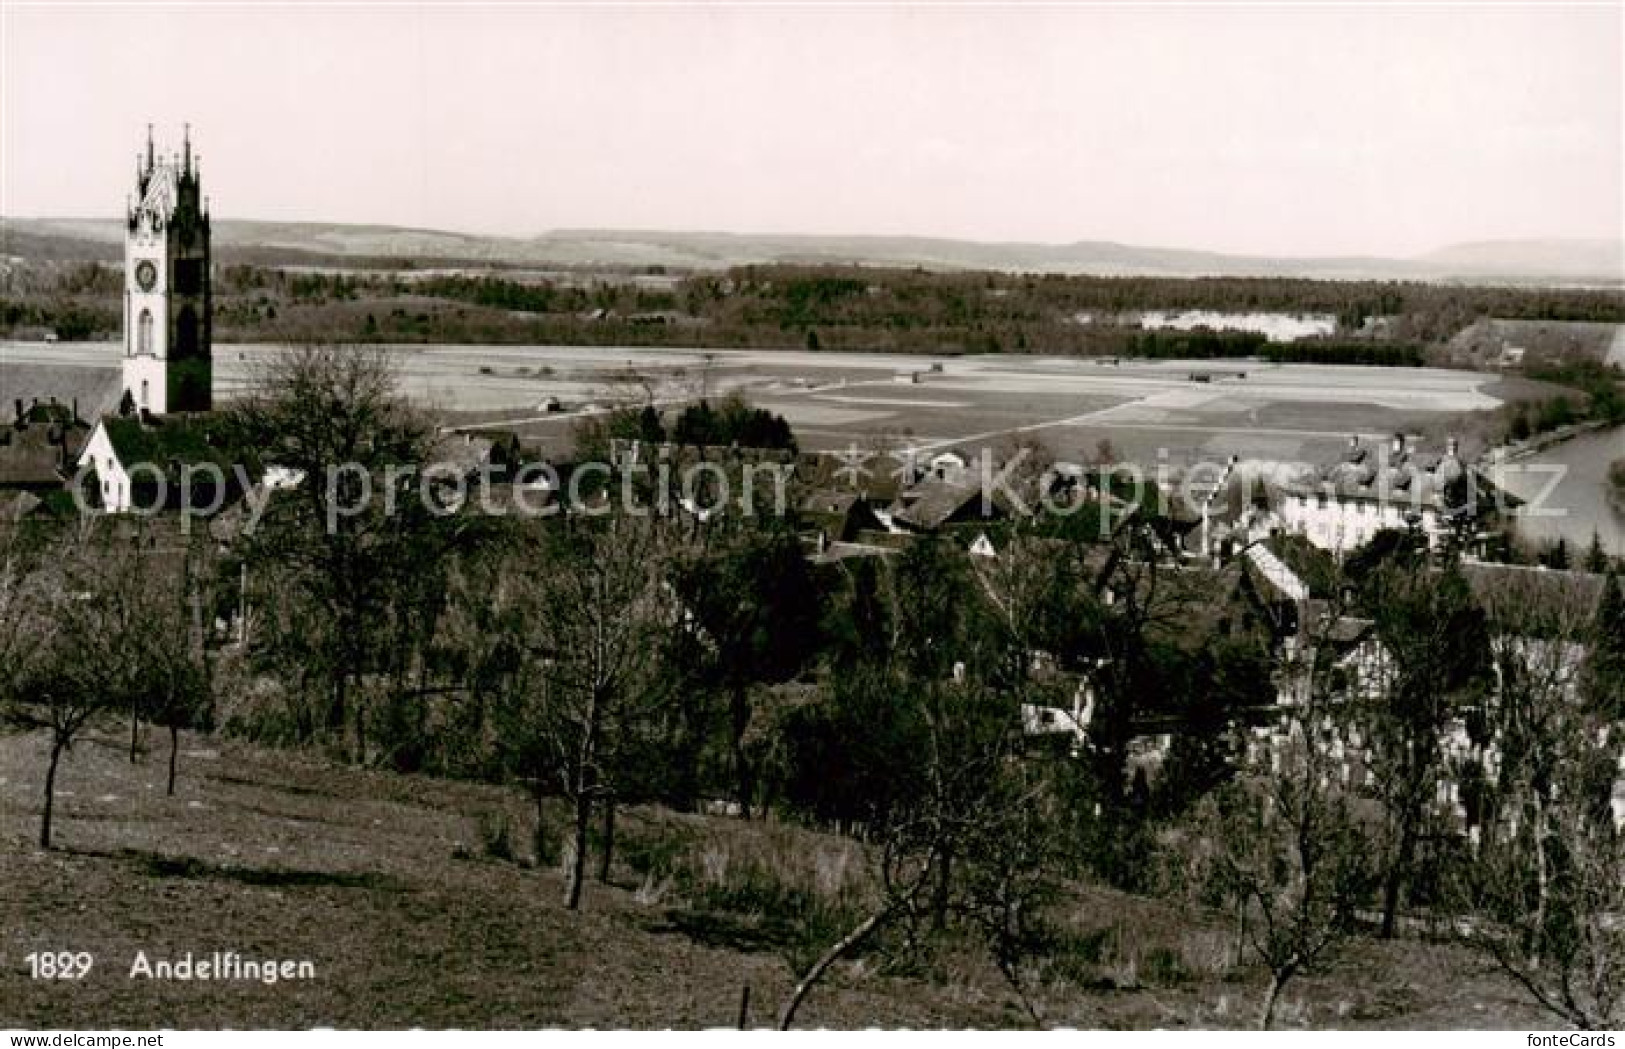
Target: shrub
496	836
773	886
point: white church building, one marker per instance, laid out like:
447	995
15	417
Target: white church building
167	366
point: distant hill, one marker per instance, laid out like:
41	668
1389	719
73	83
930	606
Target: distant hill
1559	259
316	243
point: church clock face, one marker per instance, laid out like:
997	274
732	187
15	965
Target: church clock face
146	274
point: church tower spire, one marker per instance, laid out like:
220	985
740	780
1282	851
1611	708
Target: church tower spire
168	294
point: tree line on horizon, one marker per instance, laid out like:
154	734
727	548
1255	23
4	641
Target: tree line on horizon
783	306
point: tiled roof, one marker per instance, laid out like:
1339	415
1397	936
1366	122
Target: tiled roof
95	390
1421	478
36	455
930	505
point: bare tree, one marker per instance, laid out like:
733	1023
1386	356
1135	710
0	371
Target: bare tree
124	598
1139	598
592	614
977	808
1038	598
76	664
963	838
1009	874
749	596
347	538
903	872
1435	664
1284	844
169	645
1546	890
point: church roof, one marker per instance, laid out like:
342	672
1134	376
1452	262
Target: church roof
176	440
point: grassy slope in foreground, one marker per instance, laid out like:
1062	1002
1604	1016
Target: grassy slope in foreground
278	855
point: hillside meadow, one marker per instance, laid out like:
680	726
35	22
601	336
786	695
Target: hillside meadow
420	904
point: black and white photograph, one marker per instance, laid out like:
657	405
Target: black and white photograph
824	516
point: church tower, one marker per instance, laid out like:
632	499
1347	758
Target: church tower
168	349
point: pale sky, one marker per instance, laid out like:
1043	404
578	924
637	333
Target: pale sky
1254	129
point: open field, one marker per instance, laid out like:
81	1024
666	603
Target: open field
1287	411
369	876
1150	411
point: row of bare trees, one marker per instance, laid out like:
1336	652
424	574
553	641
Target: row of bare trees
1546	889
106	620
1503	714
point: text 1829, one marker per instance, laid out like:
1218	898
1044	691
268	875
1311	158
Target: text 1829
59	965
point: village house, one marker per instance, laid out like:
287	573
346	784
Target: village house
832	516
50	405
37	454
936	503
1340	506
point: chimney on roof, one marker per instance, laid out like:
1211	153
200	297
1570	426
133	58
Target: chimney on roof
19	404
1354	441
1451	446
1399	444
